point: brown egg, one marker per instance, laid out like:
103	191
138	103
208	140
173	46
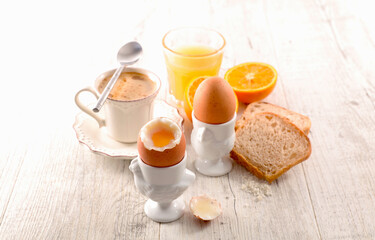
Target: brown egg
161	143
214	101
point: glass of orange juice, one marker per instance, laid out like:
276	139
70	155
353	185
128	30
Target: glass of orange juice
190	53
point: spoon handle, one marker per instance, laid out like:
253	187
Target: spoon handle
108	89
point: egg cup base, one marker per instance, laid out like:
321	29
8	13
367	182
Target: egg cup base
214	168
165	212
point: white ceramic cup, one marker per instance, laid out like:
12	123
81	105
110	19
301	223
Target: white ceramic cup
122	119
212	143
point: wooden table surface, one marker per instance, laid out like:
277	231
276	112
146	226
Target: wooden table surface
52	187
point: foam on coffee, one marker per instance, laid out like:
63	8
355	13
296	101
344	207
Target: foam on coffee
129	86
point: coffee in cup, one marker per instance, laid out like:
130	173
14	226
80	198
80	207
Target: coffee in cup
129	86
129	105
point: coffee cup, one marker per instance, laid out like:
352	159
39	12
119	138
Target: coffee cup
124	115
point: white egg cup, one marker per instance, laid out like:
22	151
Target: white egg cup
212	144
163	186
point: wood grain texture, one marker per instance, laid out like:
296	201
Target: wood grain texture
342	124
51	187
10	166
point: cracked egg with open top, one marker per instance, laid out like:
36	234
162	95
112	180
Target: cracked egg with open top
161	143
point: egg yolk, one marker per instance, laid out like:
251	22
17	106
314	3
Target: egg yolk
162	137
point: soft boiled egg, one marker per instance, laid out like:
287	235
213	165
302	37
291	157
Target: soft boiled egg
161	143
214	101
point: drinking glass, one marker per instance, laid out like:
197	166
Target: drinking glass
189	53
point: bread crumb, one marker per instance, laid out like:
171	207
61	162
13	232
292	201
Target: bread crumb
259	189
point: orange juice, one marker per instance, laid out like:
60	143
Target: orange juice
162	137
189	62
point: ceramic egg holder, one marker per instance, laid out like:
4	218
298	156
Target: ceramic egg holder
212	144
163	186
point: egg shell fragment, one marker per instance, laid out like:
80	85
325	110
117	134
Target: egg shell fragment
205	208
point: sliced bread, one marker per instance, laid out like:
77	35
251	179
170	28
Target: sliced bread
301	121
268	145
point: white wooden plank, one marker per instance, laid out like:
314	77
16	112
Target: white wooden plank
324	52
333	93
72	193
10	165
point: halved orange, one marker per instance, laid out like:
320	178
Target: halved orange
252	81
190	93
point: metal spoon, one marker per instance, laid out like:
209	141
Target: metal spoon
127	55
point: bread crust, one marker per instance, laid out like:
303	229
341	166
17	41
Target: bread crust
246	114
242	160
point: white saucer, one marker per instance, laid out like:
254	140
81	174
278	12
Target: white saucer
97	140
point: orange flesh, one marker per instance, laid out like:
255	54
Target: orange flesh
162	137
193	89
251	77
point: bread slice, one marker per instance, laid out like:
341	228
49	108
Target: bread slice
268	145
301	121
